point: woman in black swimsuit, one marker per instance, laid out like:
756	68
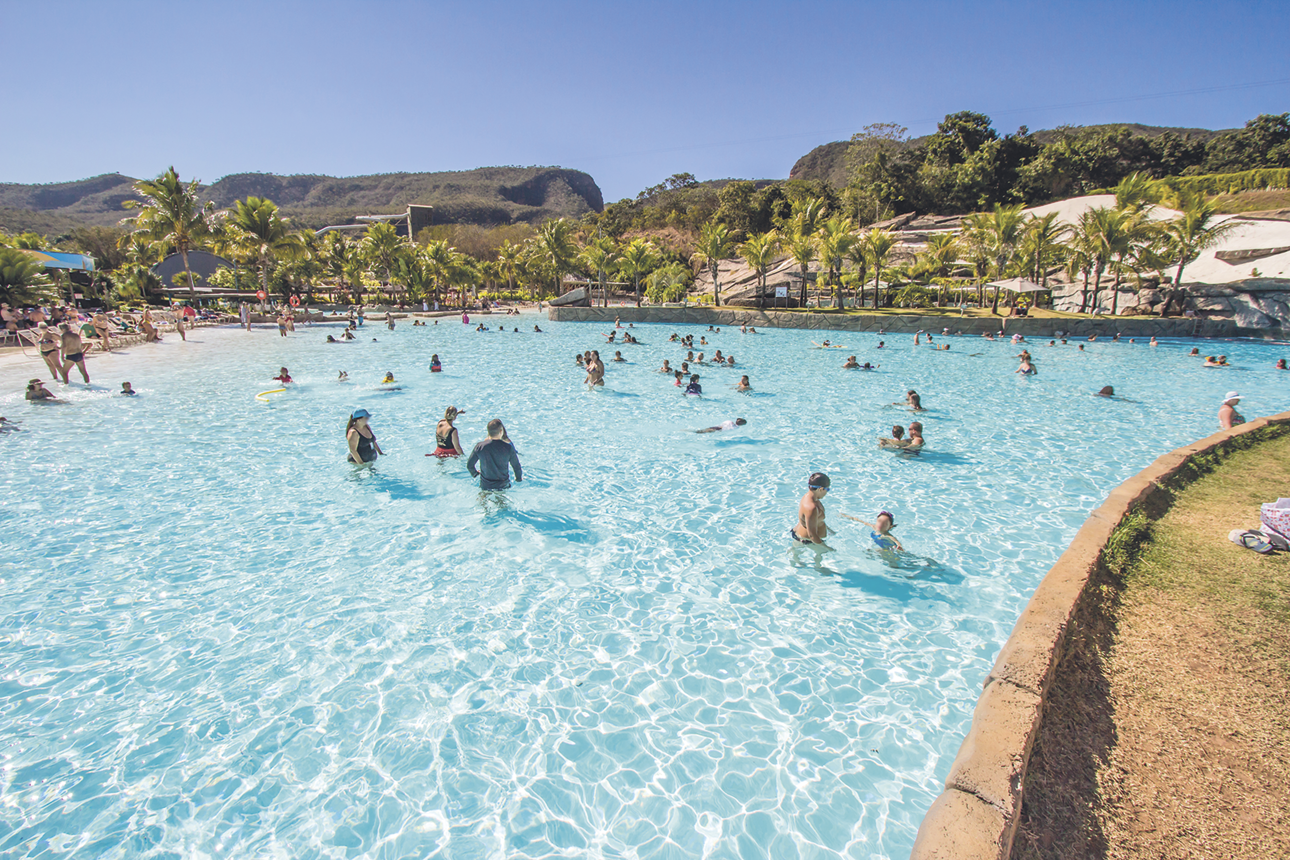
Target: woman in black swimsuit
446	437
361	439
49	347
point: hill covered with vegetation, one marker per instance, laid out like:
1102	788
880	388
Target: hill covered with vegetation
967	166
487	196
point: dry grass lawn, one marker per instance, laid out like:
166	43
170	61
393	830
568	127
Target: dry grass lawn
1167	734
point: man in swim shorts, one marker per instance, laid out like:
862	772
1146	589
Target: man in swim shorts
494	456
73	353
810	527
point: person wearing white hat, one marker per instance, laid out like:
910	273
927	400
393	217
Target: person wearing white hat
1228	417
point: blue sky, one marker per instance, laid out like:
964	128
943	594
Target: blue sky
629	92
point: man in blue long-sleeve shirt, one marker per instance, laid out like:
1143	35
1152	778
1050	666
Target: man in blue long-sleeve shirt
495	456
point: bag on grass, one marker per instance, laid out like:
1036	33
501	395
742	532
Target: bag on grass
1274	517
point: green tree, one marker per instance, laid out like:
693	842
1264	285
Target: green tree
381	247
1041	243
341	259
265	233
716	243
878	245
1193	232
22	279
170	214
510	261
800	246
759	252
667	283
638	258
999	232
834	242
555	248
600	256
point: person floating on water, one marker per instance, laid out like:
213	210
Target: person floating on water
127	390
1228	417
881	534
810	526
724	425
361	439
494	457
446	438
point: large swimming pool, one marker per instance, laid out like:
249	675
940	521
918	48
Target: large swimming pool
217	639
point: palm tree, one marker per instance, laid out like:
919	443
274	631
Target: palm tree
834	241
858	256
939	257
555	248
266	234
1109	233
599	255
1137	192
171	215
759	253
1193	232
1079	261
1040	243
801	247
715	244
878	245
438	261
639	257
510	260
342	260
22	278
999	232
381	247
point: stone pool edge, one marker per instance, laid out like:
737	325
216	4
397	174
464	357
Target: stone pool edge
910	323
976	817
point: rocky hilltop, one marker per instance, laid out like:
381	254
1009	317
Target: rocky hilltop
487	195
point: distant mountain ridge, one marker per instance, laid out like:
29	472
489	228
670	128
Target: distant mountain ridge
486	195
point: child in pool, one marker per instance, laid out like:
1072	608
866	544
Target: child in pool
881	530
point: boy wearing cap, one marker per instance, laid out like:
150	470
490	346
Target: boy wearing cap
1228	417
810	527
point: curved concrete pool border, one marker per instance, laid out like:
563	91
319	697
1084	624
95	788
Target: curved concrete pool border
976	817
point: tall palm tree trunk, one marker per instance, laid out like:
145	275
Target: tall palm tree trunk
192	287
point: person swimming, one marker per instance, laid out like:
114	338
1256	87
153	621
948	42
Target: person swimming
283	376
331	339
724	425
851	364
694	387
127	389
1106	391
744	384
666	368
435	365
881	530
895	440
342	376
914	402
389	378
618	355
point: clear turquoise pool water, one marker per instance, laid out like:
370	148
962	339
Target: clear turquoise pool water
219	639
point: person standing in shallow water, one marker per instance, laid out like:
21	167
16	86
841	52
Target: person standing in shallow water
492	459
360	438
810	527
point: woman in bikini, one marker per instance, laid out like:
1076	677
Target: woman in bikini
49	346
446	436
